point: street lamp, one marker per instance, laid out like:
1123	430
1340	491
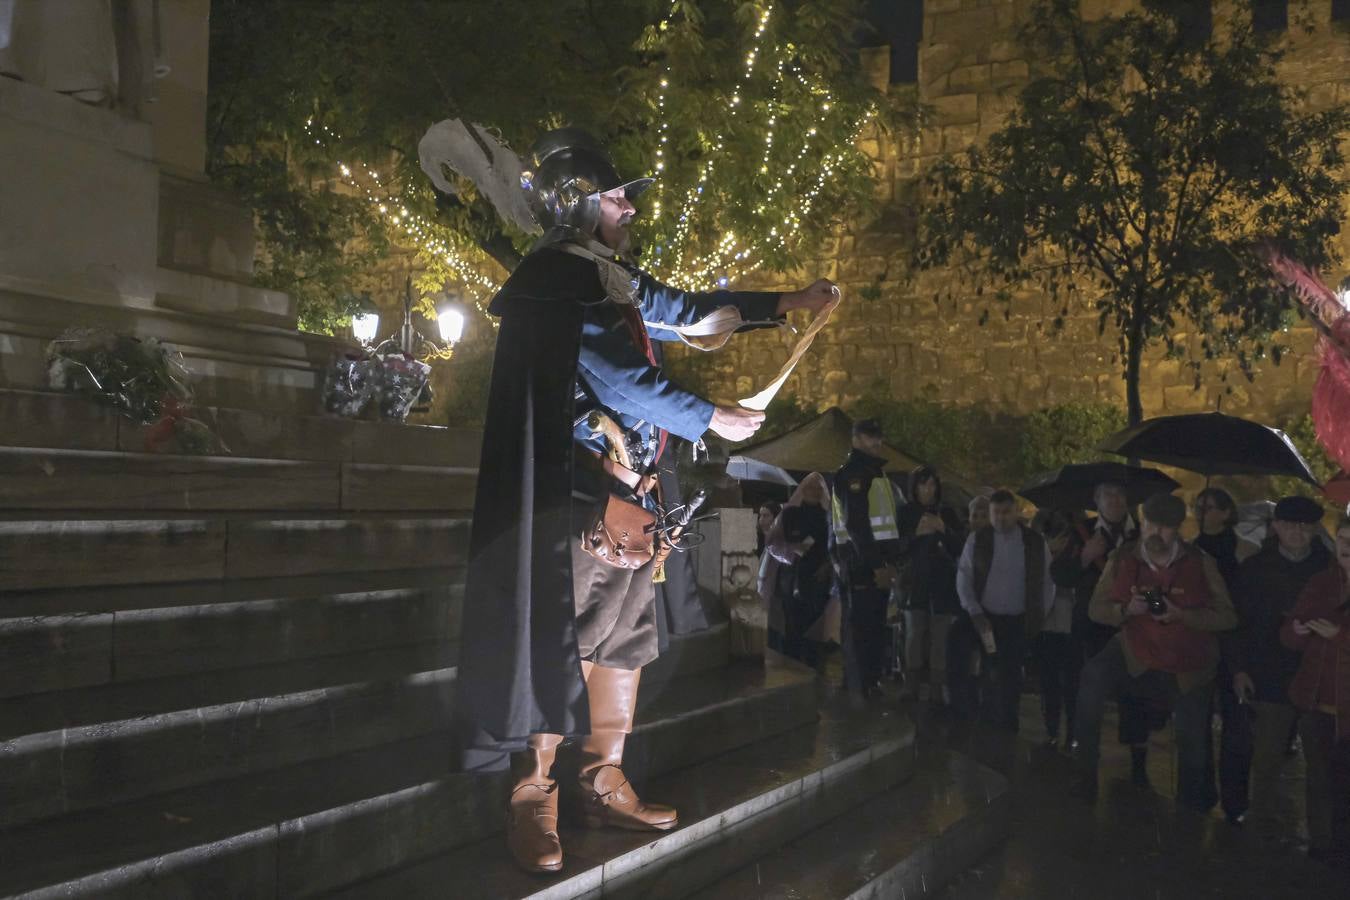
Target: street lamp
450	319
366	321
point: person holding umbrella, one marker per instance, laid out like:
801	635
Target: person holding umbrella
1079	566
1217	515
1168	600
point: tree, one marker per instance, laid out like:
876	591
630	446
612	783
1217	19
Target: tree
745	111
1136	173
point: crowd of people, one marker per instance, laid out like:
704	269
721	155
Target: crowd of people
1243	647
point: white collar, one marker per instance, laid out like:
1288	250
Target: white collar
1126	527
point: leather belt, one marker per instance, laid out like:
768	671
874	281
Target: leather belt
637	483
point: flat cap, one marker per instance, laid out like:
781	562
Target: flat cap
870	427
1166	510
1298	509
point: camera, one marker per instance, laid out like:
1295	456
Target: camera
1157	605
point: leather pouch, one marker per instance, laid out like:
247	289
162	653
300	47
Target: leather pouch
621	533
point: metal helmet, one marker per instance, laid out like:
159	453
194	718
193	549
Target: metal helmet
568	171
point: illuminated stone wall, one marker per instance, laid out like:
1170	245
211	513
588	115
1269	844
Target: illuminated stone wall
891	336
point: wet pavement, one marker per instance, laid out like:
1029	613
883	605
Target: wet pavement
1134	843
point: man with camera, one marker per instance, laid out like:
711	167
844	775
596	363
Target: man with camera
1168	599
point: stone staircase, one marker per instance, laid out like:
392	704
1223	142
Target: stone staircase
233	676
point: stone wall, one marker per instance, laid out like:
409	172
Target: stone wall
891	335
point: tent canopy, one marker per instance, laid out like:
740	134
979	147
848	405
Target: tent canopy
822	445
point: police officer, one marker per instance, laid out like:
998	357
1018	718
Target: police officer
867	546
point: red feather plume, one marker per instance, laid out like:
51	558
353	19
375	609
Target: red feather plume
1331	394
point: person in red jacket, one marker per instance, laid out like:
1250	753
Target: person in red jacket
1168	599
1319	628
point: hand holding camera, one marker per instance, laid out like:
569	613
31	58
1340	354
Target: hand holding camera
1159	605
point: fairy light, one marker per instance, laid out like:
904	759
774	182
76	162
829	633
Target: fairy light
419	231
706	168
730	257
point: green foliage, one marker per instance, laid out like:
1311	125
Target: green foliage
1134	176
315	242
968	441
1069	433
783	415
1304	435
298	86
470	376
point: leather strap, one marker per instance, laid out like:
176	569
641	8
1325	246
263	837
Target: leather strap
638	484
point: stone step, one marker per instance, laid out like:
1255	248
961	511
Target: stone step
312	827
222	840
58	772
73	709
94	480
378	641
38	553
909	841
162	595
163	740
234	363
64	421
732	808
102	652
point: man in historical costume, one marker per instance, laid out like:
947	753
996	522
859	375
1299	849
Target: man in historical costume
554	638
867	547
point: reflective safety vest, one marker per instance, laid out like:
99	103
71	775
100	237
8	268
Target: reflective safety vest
881	513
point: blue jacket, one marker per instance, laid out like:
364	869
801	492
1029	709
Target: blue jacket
612	373
520	668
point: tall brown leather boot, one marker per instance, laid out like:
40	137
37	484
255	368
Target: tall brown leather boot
608	797
532	818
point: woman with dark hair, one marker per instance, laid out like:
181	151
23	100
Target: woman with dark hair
1058	661
931	538
1216	513
1319	628
801	539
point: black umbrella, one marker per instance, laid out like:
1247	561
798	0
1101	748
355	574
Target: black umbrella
1212	444
1072	486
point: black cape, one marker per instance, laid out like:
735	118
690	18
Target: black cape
519	667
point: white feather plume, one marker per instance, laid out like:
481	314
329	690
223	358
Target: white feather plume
482	159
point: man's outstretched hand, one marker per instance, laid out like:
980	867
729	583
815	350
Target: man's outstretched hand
735	423
813	298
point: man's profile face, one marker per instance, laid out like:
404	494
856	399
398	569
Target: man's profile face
616	212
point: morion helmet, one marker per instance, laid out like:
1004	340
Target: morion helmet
567	172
